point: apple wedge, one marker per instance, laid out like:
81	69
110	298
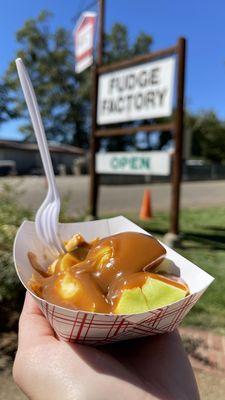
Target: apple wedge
132	301
147	291
159	293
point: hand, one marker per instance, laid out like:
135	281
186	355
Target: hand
46	368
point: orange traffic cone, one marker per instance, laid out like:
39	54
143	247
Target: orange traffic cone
146	207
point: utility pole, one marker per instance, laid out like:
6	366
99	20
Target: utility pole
94	143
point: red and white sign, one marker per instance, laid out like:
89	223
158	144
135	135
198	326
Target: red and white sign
84	41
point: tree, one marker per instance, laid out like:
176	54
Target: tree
208	134
142	44
49	59
5	111
116	44
63	96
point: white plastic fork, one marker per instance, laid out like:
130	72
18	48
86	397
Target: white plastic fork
46	219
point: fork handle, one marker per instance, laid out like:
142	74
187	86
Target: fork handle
34	112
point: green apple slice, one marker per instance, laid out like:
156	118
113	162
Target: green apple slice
159	294
132	301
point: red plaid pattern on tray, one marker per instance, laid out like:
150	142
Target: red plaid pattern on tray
99	329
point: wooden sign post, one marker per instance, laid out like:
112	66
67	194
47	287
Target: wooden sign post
175	125
178	138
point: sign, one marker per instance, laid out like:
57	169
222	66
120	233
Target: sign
84	41
140	92
133	163
132	90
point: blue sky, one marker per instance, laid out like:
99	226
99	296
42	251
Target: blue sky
201	22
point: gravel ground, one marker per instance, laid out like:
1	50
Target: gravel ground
8	390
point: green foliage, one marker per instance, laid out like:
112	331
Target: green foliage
117	47
116	44
142	44
48	56
5	111
208	134
63	96
11	217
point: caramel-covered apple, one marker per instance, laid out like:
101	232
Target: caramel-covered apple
154	291
109	275
126	252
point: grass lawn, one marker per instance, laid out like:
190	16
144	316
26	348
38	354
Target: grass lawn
203	243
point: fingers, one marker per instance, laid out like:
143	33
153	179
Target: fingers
33	326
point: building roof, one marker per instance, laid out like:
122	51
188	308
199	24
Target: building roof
54	148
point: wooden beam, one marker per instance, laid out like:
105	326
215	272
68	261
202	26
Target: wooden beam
137	60
177	159
131	130
94	142
94	148
101	31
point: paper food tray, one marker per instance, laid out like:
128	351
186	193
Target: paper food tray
93	328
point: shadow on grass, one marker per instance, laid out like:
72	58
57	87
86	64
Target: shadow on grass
211	240
156	231
216	228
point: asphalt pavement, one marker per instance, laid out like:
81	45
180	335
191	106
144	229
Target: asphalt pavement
117	199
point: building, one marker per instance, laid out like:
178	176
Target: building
24	158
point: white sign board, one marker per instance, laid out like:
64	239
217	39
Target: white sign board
84	41
134	163
141	92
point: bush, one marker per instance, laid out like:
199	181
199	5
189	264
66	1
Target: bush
11	216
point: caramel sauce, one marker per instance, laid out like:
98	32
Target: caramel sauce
75	291
123	253
92	277
127	281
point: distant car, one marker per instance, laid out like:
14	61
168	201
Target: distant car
7	167
195	163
